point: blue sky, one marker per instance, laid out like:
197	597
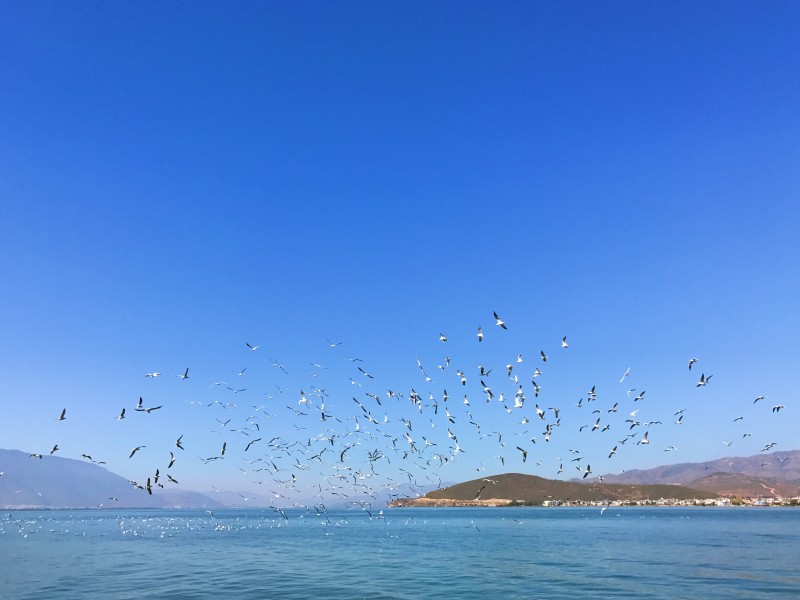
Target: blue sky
178	180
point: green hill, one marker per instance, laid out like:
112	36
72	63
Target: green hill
516	488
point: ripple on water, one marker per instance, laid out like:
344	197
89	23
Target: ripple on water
433	553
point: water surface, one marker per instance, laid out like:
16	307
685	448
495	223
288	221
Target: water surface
402	553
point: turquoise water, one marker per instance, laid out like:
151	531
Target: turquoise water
402	553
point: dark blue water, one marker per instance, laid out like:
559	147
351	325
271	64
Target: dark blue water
403	553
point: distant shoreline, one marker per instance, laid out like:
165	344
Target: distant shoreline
661	502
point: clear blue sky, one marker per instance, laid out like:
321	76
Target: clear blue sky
178	180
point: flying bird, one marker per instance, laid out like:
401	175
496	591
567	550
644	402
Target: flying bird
135	450
500	322
480	334
62	416
564	343
703	380
691	362
251	443
252	347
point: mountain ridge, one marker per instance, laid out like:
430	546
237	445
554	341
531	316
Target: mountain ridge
57	482
783	465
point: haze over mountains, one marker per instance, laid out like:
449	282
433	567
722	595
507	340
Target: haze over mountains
56	482
783	465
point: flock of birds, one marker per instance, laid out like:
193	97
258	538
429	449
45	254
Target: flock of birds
352	447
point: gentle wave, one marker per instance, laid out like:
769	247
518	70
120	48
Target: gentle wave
402	553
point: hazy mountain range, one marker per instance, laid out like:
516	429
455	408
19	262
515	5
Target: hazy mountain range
783	466
56	482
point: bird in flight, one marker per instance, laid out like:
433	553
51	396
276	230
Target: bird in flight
62	416
564	343
691	362
251	443
178	442
703	380
480	334
185	374
442	337
135	450
254	348
500	322
121	415
154	374
777	408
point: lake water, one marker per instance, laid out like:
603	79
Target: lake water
402	553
